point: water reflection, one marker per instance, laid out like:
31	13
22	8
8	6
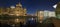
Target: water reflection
30	22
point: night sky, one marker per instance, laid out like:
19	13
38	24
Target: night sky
31	5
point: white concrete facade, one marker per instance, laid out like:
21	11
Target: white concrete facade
45	14
52	14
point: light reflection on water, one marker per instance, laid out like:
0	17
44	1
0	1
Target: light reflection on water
22	20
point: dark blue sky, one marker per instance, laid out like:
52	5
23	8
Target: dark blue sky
31	5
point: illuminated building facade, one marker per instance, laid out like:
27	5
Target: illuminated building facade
0	11
40	15
52	14
43	15
17	10
3	10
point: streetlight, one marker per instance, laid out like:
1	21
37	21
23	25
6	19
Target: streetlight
54	6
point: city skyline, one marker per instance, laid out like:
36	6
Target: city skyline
31	5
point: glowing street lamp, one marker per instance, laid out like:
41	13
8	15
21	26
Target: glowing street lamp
54	6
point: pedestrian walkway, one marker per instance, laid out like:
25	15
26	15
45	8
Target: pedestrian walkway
56	22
